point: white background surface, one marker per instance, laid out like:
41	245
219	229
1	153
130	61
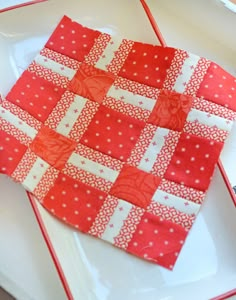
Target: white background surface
26	270
8	3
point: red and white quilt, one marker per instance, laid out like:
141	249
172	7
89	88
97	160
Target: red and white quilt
117	138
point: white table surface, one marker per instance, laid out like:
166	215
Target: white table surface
204	27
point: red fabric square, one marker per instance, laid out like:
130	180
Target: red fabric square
35	95
74	202
52	147
92	83
112	133
135	186
219	86
72	39
157	240
171	110
193	161
148	64
11	152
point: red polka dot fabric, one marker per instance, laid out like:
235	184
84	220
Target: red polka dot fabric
154	237
74	202
117	138
193	161
142	61
72	39
113	133
30	91
10	152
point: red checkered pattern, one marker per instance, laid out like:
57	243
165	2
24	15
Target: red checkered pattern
103	216
60	58
129	227
15	132
175	69
103	130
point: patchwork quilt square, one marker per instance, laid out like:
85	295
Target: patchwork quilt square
112	132
135	186
143	61
74	202
11	150
52	147
92	83
220	85
171	110
193	161
30	91
117	138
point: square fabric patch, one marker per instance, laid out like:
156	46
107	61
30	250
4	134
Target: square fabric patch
171	110
52	147
193	161
135	186
92	83
29	92
117	138
112	132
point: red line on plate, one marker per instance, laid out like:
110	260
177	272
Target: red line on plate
50	248
225	296
21	5
227	182
153	23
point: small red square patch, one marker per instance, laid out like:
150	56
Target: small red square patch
11	152
112	133
92	83
72	39
193	161
171	110
219	86
158	240
135	186
148	64
35	95
75	202
52	147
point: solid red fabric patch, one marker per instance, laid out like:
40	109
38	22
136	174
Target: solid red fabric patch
171	110
52	147
112	137
91	83
135	186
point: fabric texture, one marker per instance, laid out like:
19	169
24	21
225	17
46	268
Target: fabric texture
117	138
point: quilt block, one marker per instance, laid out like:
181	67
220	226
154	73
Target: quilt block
117	138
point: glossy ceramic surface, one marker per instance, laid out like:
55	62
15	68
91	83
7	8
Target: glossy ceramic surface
95	270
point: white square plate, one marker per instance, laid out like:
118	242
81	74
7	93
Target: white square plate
93	269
